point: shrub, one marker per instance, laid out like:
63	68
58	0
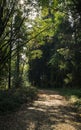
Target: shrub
11	100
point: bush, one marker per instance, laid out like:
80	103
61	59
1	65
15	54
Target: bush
11	100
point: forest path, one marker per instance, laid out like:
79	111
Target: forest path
50	111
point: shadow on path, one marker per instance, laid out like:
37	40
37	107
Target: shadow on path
50	112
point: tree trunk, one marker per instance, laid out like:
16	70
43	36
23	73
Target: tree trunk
17	67
10	53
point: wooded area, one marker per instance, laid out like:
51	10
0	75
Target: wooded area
42	45
40	48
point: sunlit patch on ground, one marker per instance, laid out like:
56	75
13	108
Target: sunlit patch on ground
63	126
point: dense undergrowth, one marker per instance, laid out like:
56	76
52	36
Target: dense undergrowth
11	100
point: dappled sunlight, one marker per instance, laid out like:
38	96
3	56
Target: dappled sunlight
40	64
49	112
39	109
64	126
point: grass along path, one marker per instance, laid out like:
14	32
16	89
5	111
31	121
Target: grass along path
50	111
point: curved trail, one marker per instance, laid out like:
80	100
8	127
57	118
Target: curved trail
50	112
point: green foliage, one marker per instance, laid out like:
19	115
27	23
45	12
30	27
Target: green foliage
52	53
36	54
68	78
43	3
69	92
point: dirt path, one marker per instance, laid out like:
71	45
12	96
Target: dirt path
50	112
